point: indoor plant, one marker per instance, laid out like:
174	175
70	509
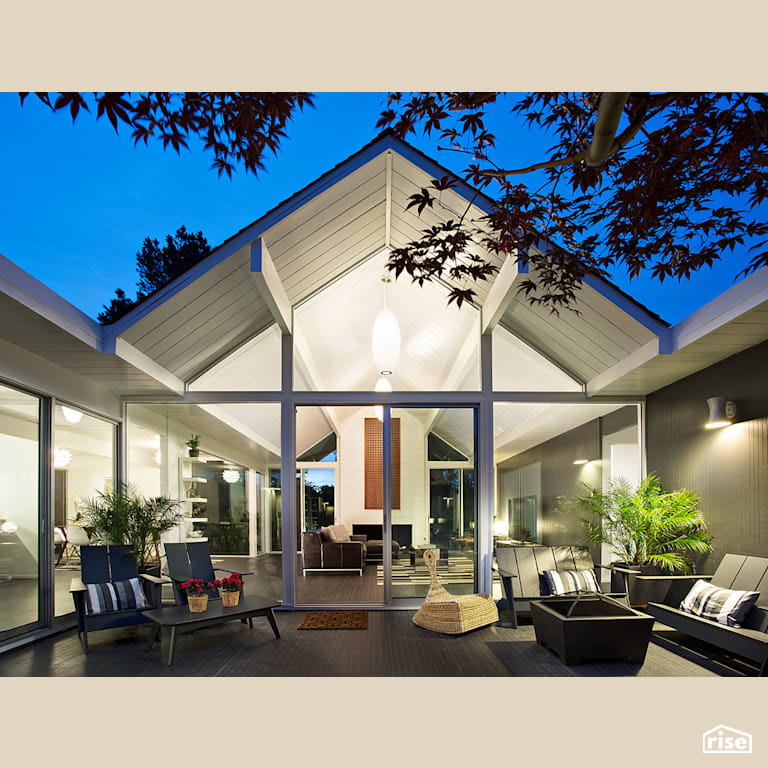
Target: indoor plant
647	529
230	587
193	444
123	516
197	594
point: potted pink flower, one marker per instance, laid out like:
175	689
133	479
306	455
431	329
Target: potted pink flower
197	594
230	587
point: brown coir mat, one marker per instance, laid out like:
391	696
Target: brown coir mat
334	620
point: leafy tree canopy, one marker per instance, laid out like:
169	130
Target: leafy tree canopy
665	182
157	267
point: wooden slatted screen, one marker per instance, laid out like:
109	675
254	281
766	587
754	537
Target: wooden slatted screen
374	448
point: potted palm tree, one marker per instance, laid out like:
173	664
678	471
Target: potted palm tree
123	516
648	529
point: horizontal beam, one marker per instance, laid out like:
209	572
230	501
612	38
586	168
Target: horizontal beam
270	286
433	399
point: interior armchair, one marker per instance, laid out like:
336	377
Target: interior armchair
333	549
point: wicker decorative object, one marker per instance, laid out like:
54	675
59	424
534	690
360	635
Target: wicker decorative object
197	603
230	599
453	614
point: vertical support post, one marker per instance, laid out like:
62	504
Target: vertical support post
121	447
485	474
45	561
288	471
386	500
641	417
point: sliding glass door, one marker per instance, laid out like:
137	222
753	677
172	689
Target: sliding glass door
433	501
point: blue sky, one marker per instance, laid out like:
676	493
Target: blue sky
78	200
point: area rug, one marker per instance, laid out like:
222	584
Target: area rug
334	620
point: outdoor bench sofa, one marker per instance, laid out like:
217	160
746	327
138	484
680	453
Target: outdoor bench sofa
741	572
521	568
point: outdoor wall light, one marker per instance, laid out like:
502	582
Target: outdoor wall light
231	475
71	415
722	412
62	458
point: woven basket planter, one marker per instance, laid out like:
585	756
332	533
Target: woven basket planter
453	614
197	603
230	599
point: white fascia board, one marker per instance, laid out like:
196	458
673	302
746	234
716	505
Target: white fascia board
146	365
502	292
736	301
270	286
634	360
37	297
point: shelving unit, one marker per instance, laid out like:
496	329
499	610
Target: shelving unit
186	480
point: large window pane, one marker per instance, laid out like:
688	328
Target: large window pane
19	515
84	464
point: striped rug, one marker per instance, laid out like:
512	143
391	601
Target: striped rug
456	569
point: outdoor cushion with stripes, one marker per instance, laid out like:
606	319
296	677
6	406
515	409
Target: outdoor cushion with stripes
726	606
114	596
562	582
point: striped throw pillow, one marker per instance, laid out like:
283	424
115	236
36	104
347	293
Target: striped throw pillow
114	596
561	582
726	606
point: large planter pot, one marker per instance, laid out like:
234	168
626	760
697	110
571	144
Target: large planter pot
197	603
230	599
638	590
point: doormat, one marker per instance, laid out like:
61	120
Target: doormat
334	620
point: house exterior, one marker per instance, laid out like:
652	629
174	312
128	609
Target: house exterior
465	435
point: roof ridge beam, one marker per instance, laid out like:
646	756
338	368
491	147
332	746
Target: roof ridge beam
270	286
502	293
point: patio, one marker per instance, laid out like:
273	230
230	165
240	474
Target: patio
392	646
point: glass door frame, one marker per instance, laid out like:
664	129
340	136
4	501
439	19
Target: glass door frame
410	603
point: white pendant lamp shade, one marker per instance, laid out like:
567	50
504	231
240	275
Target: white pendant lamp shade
62	458
386	340
71	415
231	475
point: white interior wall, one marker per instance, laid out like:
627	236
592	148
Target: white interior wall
413	477
18	487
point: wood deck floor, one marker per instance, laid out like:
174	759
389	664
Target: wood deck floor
391	646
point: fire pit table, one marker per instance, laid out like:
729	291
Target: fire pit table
591	627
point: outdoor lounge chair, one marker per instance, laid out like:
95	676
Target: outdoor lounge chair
521	571
452	614
107	565
192	560
736	572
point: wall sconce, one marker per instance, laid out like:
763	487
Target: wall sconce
722	412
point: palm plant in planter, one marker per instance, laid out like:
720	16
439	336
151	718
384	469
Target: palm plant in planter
123	516
647	529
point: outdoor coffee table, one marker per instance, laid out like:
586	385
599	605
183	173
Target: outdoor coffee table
179	618
591	627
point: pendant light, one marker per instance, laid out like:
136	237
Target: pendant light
71	415
231	475
385	339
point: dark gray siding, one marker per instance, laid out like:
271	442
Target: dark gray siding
728	467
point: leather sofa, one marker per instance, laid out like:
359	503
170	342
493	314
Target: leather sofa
332	549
